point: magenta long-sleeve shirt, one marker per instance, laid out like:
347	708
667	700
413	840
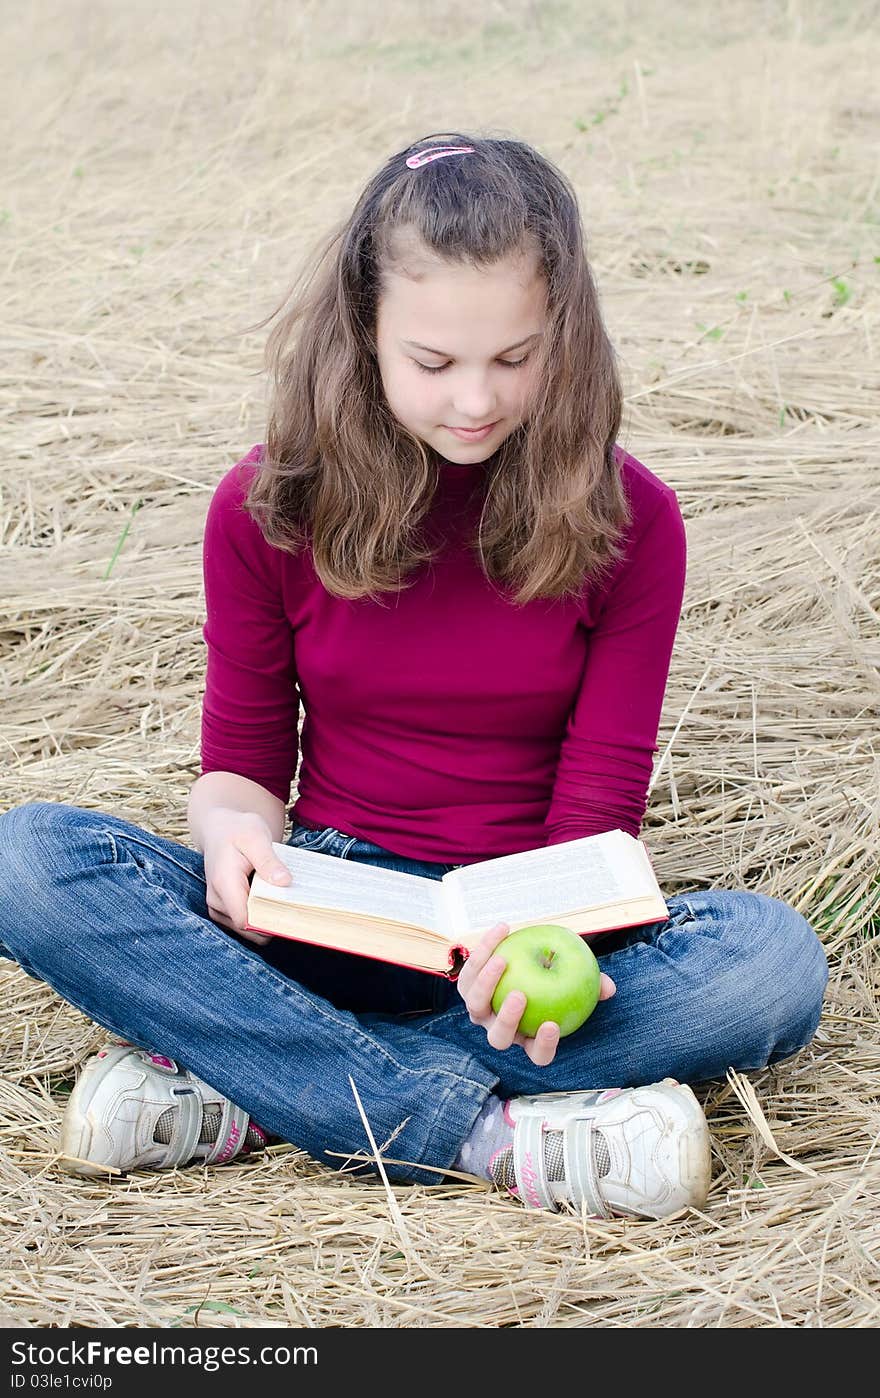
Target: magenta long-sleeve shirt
449	725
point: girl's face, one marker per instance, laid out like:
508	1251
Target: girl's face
455	346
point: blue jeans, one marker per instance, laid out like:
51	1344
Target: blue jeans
114	918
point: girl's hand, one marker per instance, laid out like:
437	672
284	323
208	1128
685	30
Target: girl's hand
235	844
476	985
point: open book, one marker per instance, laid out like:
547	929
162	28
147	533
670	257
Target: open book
591	885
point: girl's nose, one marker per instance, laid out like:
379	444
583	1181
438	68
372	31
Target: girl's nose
474	403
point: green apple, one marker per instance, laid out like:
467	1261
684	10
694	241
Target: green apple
557	972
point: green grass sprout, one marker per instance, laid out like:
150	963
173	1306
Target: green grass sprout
122	538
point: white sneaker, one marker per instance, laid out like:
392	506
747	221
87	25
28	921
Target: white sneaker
113	1113
635	1152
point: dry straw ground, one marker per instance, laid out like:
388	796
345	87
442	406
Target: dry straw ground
167	165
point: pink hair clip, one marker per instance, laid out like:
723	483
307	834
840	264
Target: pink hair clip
423	157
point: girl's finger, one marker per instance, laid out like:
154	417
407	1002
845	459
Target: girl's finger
228	893
217	914
479	996
479	957
542	1049
257	849
223	909
490	940
502	1033
257	938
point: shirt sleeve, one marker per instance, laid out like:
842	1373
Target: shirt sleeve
606	754
250	709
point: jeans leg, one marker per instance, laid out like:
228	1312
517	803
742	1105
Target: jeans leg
733	979
114	918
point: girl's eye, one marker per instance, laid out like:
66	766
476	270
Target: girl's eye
438	368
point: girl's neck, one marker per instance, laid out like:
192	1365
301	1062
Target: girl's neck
465	471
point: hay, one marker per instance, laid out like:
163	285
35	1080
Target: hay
166	181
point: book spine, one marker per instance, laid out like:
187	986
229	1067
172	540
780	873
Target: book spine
457	957
450	905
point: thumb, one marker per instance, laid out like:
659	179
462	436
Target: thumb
270	868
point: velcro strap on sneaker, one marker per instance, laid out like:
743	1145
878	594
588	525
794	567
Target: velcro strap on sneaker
231	1136
186	1129
580	1167
528	1164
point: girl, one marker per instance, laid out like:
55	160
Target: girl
441	551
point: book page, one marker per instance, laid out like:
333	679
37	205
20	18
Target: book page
341	885
517	888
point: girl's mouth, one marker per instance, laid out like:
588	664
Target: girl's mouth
472	434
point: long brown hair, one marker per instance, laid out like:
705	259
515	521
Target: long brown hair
341	473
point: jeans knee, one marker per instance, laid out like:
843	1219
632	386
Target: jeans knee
764	975
794	946
31	834
789	975
43	844
21	829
